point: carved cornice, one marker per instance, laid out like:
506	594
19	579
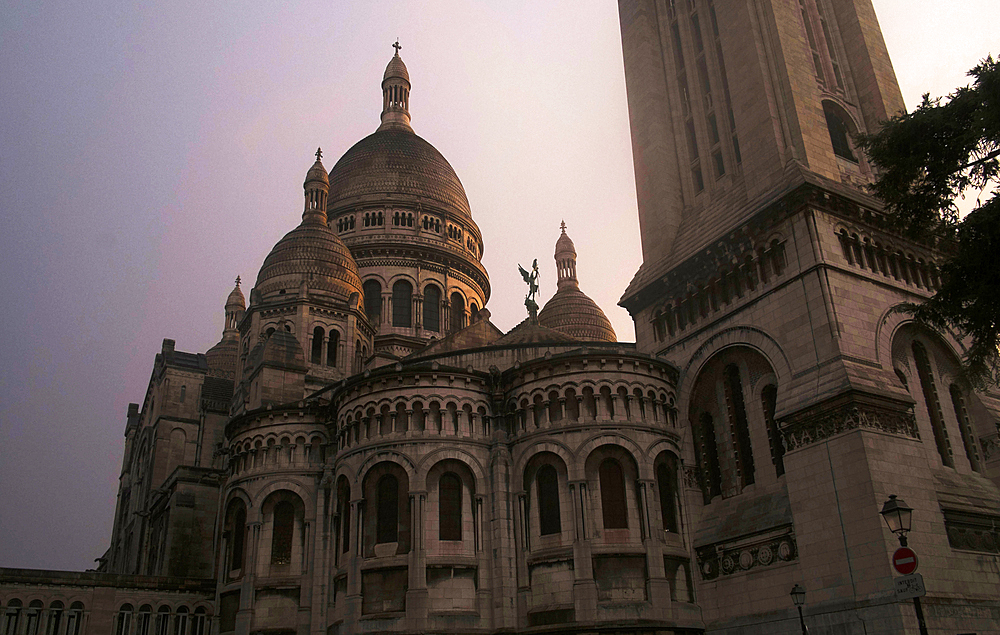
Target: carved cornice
735	556
854	411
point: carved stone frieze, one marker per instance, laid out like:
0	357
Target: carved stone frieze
724	559
991	446
972	531
847	413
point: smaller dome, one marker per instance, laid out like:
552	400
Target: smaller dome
222	358
311	254
572	312
396	68
236	298
317	173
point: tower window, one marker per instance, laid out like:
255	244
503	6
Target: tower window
283	524
708	456
373	300
739	425
387	506
457	312
839	133
932	403
402	301
548	500
432	308
666	480
317	345
450	507
613	506
768	399
331	348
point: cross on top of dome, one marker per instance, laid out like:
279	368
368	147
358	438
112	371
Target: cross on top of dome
397	46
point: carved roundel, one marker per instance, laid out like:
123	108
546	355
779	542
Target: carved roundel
765	555
746	560
785	550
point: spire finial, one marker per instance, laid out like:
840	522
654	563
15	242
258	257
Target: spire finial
237	281
319	153
397	46
562	226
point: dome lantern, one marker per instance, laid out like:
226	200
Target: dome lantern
565	260
570	311
317	188
396	94
236	306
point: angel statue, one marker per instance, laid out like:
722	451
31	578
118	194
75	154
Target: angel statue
531	279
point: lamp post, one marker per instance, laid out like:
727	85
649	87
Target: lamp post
799	598
898	517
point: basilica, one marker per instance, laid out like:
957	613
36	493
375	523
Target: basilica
364	451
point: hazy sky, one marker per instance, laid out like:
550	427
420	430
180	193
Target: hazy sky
150	152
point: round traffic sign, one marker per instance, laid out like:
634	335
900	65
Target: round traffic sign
905	560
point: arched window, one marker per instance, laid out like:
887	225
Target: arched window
162	620
666	481
344	510
432	308
932	403
473	311
450	506
198	621
402	303
965	426
33	615
839	132
768	402
613	506
181	621
317	345
237	531
282	530
124	620
74	618
457	312
738	425
331	348
707	451
55	618
12	617
549	519
387	504
373	300
142	620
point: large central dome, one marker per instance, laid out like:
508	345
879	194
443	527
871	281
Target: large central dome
395	164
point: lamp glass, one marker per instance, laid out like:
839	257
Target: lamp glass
798	595
897	515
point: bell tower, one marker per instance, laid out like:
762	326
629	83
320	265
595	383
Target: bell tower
770	278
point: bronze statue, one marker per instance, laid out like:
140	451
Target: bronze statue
532	281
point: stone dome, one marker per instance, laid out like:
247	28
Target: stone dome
222	358
395	164
313	254
572	312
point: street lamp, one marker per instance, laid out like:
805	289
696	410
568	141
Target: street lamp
897	516
799	598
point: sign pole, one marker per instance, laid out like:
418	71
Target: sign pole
920	616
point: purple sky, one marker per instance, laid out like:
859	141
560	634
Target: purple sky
150	152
